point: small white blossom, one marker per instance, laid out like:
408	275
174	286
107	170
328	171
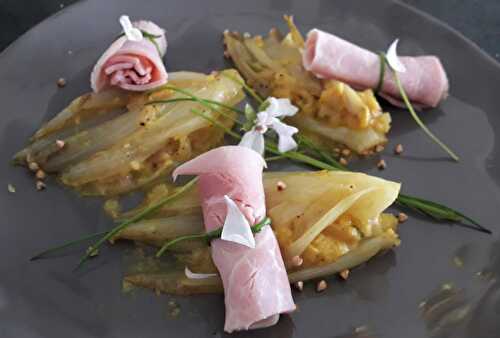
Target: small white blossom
132	33
393	58
236	227
269	118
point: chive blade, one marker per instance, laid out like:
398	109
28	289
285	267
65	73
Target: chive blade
417	119
171	243
136	218
310	145
208	236
204	102
67	245
245	86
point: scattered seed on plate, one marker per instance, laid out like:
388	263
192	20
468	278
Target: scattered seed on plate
447	286
60	144
29	158
321	286
361	329
459	263
398	150
40	185
343	161
175	312
33	166
92	252
381	165
280	185
344	274
135	165
11	188
297	261
61	82
299	286
379	148
485	274
40	174
402	217
346	152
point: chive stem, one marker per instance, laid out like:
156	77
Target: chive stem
274	158
308	143
415	116
206	102
136	218
435	210
247	88
67	245
429	208
208	236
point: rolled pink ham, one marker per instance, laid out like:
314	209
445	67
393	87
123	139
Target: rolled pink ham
133	65
256	287
330	57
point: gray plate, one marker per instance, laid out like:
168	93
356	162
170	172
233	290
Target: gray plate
46	299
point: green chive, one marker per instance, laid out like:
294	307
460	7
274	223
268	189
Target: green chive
435	210
67	245
246	87
136	218
208	236
417	119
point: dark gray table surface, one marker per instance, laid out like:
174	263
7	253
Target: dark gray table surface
479	20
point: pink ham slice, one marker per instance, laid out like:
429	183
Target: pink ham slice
330	57
132	65
256	286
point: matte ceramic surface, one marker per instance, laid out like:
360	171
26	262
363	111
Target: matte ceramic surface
47	299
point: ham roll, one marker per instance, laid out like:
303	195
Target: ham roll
256	287
133	65
330	57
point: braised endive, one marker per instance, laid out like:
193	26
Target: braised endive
346	208
323	160
115	142
318	158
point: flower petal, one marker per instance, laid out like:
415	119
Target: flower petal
132	33
285	133
254	140
280	107
393	59
236	228
287	108
192	275
263	120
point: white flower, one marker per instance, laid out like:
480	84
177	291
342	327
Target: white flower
236	228
132	33
269	118
192	275
393	59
